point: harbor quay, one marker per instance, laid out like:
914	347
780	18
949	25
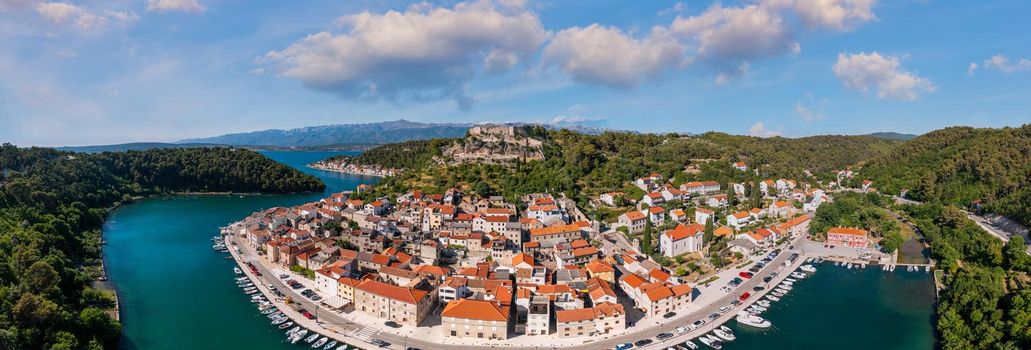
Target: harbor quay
359	330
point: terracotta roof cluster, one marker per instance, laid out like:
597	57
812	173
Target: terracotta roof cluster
634	215
557	229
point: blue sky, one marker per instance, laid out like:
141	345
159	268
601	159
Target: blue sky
97	72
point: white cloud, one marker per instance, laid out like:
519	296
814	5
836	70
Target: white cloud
608	56
971	69
424	54
69	14
737	33
759	129
809	109
725	77
842	15
885	74
1002	64
191	6
678	7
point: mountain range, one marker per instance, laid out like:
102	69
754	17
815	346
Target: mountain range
341	135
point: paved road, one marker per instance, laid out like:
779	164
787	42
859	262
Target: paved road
980	220
350	332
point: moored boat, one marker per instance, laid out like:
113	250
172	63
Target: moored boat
691	345
752	320
723	335
763	303
286	325
807	268
772	297
311	338
331	345
319	343
237	270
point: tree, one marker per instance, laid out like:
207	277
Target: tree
731	195
709	230
1015	255
646	239
757	199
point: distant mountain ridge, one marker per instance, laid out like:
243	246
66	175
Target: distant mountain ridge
368	133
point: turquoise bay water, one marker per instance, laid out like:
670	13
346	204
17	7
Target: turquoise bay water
178	294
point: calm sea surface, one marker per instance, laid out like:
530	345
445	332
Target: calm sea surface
176	293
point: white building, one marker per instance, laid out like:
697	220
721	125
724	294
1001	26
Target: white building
681	240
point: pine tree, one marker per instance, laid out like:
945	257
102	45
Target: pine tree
709	231
731	195
646	240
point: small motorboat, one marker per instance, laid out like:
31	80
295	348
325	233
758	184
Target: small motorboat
785	286
781	291
311	338
276	315
293	330
711	341
763	303
237	270
331	345
691	345
319	343
250	291
772	297
758	308
279	320
297	336
752	320
268	311
724	335
807	268
777	293
286	325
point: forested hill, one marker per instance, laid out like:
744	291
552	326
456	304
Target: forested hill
960	165
589	164
52	204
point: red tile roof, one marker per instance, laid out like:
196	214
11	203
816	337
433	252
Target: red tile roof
475	310
405	295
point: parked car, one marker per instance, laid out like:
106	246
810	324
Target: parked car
745	274
744	296
380	343
758	288
698	323
669	315
680	330
714	316
724	309
664	336
624	346
643	342
392	324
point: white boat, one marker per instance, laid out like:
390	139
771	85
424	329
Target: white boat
311	338
250	291
691	345
268	311
763	303
785	286
724	335
297	336
777	293
790	280
759	308
331	345
927	268
752	320
807	268
293	330
726	329
837	263
798	275
772	297
319	343
286	325
711	342
279	320
786	282
237	270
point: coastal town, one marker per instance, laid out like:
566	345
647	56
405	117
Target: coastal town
456	268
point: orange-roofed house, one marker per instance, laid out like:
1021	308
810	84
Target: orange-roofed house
701	215
407	306
723	231
634	220
740	166
468	318
848	237
557	232
545	212
657	215
739	220
796	226
600	269
653	199
522	261
682	240
678	215
603	318
659	298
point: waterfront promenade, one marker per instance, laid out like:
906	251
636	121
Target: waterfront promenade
359	329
